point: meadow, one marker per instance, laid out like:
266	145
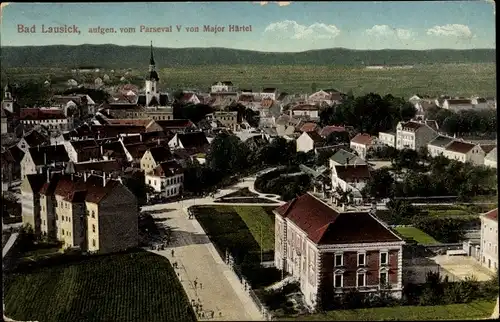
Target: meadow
134	286
450	79
473	310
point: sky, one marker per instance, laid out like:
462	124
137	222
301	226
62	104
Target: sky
275	26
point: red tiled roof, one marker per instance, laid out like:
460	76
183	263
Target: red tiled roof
41	114
246	98
305	107
167	169
309	127
327	130
160	153
349	172
411	126
362	138
459	101
460	147
315	136
136	122
76	189
266	103
324	225
488	147
175	124
492	214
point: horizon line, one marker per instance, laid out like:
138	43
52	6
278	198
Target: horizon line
252	50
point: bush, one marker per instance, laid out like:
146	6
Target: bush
445	230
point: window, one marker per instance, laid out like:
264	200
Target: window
361	279
62	230
361	259
383	278
383	258
93	228
93	242
93	214
338	281
339	260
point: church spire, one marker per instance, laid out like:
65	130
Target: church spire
152	60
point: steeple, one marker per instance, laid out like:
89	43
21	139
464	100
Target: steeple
152	75
152	60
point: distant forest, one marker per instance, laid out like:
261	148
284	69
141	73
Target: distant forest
133	56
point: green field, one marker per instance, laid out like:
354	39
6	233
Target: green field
474	310
418	235
238	228
136	286
258	221
451	79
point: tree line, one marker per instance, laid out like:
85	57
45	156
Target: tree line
370	113
464	122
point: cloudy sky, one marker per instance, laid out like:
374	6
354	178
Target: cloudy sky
276	26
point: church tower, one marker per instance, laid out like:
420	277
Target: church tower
152	79
8	102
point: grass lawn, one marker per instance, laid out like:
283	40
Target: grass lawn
474	310
256	218
418	235
135	286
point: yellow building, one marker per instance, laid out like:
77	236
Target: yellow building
94	214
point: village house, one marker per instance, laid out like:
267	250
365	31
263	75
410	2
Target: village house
31	140
343	157
490	160
153	157
456	105
228	119
309	110
464	152
189	98
249	101
308	141
39	158
176	126
91	213
11	166
81	102
52	119
269	93
438	145
329	129
330	252
352	179
328	96
83	150
30	200
387	138
489	240
225	86
188	140
167	178
310	127
362	143
413	135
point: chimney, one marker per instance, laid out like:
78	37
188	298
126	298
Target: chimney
158	141
85	176
104	179
48	175
140	136
44	158
102	151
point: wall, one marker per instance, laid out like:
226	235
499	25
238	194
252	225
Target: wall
489	243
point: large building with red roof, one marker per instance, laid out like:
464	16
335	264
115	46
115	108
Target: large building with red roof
330	252
489	240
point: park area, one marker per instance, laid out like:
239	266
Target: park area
473	310
246	233
132	286
417	235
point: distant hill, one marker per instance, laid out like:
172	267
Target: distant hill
134	56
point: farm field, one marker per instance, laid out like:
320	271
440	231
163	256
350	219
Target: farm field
134	286
418	235
473	310
451	79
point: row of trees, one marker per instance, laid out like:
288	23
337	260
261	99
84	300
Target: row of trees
423	176
464	122
370	113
